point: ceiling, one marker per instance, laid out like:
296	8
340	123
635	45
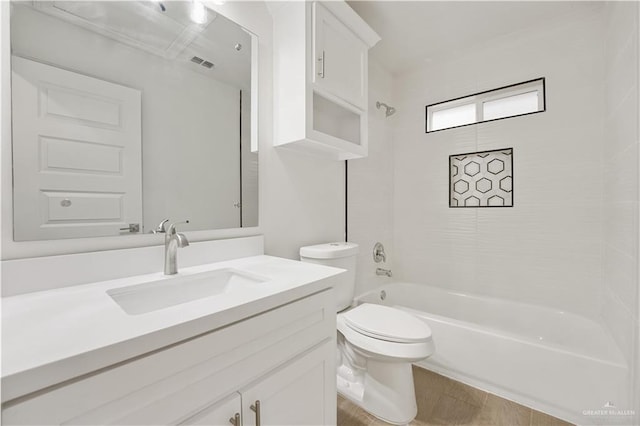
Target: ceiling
417	31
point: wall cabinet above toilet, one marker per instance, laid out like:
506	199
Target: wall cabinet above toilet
340	59
320	78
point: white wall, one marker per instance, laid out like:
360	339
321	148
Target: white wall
620	209
370	190
303	201
547	248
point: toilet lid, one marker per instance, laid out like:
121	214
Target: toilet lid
386	323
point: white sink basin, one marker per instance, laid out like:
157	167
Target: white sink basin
154	295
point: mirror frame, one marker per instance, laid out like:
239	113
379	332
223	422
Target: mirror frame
238	12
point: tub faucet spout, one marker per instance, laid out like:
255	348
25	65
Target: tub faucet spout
385	272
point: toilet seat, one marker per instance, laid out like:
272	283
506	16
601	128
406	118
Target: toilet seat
386	323
366	334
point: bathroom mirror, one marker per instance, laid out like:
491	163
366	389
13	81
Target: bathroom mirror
127	113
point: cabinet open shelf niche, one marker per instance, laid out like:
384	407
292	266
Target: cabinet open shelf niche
320	78
336	120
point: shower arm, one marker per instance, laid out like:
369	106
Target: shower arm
388	110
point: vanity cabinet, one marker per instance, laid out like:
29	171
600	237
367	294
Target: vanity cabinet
292	395
320	78
276	398
284	358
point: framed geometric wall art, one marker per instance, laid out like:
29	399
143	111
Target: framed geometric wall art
481	179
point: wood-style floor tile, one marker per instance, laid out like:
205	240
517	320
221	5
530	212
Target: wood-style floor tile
497	411
442	401
453	411
466	393
542	419
350	414
431	386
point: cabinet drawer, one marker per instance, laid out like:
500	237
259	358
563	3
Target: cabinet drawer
125	391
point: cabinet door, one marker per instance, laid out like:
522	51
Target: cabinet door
300	393
220	413
340	59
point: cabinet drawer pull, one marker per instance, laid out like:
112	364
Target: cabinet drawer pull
235	420
256	409
321	61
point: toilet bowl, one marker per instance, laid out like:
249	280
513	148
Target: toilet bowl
376	346
376	343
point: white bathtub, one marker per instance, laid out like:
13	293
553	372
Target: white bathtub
557	362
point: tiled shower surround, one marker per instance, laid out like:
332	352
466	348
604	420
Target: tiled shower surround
570	240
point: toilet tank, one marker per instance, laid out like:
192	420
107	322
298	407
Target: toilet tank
338	255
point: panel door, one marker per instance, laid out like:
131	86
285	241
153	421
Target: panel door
220	413
300	393
340	58
76	154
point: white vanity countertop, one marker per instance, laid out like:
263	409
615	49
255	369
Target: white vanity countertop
52	336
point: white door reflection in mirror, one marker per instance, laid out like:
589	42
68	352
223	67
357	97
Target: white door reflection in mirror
76	152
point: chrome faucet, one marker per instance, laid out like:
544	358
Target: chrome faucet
161	228
172	241
385	272
378	253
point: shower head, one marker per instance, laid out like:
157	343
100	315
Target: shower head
388	110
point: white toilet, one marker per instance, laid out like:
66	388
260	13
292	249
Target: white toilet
376	344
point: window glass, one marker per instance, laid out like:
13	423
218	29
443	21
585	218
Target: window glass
503	102
452	117
510	106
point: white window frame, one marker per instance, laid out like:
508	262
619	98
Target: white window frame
537	85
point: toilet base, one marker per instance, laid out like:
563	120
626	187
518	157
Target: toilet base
384	389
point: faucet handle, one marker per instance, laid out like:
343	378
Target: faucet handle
161	228
378	253
172	227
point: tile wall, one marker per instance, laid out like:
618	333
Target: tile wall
547	248
620	154
370	186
